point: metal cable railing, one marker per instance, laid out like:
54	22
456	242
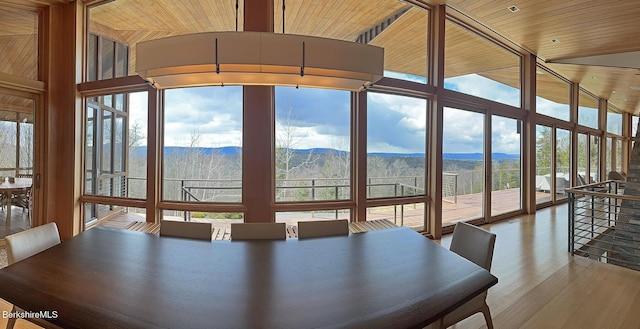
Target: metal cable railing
604	224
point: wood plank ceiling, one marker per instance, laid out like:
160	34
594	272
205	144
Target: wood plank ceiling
582	27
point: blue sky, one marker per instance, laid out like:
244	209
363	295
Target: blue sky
321	118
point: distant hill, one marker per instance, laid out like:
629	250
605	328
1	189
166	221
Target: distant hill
235	150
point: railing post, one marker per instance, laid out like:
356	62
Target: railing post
570	222
313	190
455	189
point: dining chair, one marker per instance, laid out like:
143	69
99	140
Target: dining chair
322	228
258	231
22	199
26	244
189	230
476	245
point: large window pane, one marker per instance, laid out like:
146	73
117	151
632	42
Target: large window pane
202	160
588	110
396	139
463	169
19	43
505	165
115	147
544	156
619	159
489	71
552	95
313	144
563	163
594	155
137	145
583	157
608	158
614	123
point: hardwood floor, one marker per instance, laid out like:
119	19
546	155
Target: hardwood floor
542	286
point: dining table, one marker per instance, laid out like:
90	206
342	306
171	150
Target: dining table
8	187
113	278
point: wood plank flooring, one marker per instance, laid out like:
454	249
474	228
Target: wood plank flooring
542	286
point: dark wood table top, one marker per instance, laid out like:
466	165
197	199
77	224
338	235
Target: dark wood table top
109	278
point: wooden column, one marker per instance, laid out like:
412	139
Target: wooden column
528	132
61	175
258	127
434	151
359	147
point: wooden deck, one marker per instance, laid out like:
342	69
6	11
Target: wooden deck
467	207
224	233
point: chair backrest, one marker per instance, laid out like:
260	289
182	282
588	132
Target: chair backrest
190	230
321	228
258	231
30	242
474	244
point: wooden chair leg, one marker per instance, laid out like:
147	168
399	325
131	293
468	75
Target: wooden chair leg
11	321
487	315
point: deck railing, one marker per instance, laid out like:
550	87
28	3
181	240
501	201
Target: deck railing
601	224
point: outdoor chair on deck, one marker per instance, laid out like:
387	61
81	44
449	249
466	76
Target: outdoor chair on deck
476	245
258	231
189	230
322	228
26	244
614	175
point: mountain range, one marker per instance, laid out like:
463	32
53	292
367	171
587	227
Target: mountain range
235	150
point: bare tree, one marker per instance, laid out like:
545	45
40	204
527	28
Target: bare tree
287	141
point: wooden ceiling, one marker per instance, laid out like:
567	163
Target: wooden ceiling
582	27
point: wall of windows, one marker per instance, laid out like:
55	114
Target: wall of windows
324	161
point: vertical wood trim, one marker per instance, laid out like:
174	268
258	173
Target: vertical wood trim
360	155
434	151
154	154
602	147
528	140
487	167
